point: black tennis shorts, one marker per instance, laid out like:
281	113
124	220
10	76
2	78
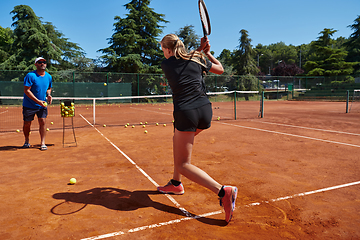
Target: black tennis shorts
29	113
190	120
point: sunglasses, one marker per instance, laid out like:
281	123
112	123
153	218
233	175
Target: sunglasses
41	62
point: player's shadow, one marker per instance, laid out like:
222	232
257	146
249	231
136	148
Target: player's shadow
120	200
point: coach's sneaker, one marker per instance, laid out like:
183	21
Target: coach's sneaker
228	201
170	188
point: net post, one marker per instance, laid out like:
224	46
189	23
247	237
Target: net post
235	104
94	111
347	101
262	104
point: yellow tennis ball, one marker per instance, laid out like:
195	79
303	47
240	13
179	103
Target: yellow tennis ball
218	118
144	126
105	84
72	180
157	124
51	123
145	131
47	129
45	104
164	125
104	125
17	130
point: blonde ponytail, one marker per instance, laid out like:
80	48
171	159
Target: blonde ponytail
173	42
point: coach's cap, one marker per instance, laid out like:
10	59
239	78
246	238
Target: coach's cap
39	58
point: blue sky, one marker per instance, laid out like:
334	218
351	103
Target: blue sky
89	23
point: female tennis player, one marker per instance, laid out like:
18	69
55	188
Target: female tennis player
192	114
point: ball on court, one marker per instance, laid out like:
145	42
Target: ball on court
17	130
145	131
144	126
157	124
125	126
218	118
104	125
72	180
51	123
133	126
105	84
164	124
47	129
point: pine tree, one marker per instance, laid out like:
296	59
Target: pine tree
243	60
327	60
134	46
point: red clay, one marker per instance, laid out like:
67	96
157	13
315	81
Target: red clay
296	148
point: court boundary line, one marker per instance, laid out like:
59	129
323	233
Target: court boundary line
292	135
108	235
315	129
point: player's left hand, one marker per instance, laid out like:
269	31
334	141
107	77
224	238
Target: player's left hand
49	99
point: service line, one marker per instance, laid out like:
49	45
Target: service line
292	135
309	128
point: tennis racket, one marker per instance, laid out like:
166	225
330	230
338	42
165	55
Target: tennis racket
204	16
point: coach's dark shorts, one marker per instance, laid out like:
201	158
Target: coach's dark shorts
29	113
190	120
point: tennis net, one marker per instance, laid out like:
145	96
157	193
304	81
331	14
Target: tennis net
355	102
135	110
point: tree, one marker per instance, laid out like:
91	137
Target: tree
283	69
6	41
134	46
326	60
31	38
189	38
243	60
353	45
69	51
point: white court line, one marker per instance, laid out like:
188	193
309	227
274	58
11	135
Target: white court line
292	135
4	112
316	129
156	225
151	111
142	171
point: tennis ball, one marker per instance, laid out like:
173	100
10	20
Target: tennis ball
128	124
218	118
125	126
164	124
145	131
157	124
45	104
104	125
133	126
140	123
72	180
144	126
145	122
105	84
47	129
51	123
17	130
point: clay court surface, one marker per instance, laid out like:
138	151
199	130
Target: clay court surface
297	171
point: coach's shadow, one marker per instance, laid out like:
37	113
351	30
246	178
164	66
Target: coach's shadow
121	200
15	148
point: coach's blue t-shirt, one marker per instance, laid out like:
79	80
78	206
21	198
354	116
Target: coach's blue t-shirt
39	85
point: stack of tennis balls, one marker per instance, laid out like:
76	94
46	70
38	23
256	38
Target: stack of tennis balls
67	111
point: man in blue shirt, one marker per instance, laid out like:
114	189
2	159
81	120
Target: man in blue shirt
37	92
